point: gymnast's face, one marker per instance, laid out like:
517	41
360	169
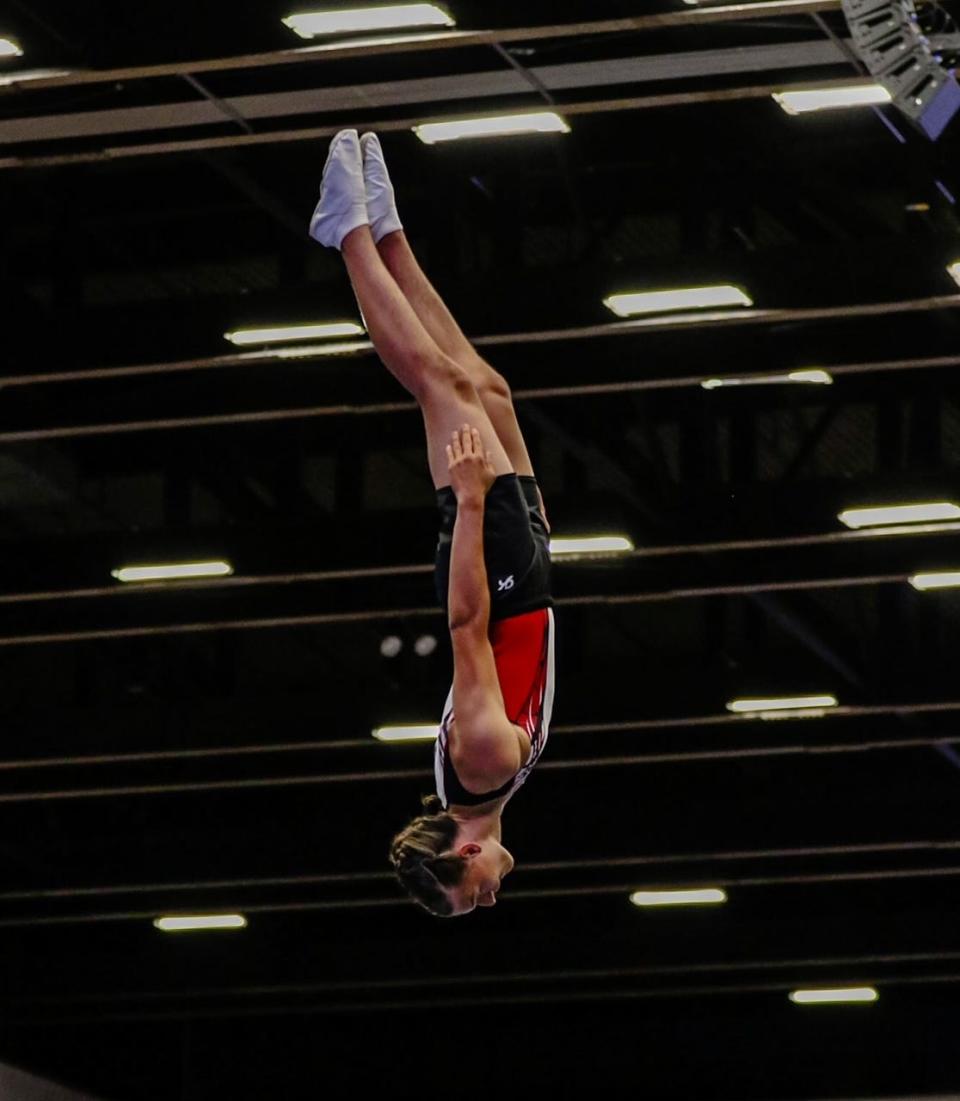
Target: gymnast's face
487	863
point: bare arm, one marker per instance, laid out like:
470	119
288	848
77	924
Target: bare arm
471	476
469	598
485	746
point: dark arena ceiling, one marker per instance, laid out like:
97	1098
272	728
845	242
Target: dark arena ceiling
206	747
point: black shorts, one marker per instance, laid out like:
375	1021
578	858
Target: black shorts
516	546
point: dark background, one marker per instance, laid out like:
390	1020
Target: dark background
836	839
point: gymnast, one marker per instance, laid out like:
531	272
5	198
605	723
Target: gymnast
492	567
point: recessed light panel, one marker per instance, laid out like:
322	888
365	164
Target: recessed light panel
194	922
835	996
279	333
812	376
754	706
380	18
832	99
686	298
944	580
899	514
591	544
700	897
406	733
173	572
494	126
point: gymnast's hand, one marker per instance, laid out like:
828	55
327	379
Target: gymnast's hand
471	471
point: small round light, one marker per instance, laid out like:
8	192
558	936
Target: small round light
425	645
391	646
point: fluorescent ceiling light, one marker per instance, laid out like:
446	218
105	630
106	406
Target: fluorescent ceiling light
841	994
898	514
925	581
383	17
311	351
9	48
200	921
542	122
293	332
7	79
828	99
406	733
172	572
816	376
954	270
678	898
780	703
593	544
691	298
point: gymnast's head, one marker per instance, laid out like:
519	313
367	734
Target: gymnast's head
443	872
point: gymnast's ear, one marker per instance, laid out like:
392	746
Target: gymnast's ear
469	849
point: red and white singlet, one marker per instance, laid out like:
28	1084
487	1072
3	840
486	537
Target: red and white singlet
523	651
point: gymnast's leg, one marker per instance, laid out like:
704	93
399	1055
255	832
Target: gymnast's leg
491	387
398	256
443	389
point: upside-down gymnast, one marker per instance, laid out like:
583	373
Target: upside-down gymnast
492	569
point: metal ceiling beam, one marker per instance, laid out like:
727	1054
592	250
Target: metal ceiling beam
478	978
433	41
531	895
310	412
316	133
433	1004
845	711
643	861
537	393
781	749
423	92
395	614
833	538
637	326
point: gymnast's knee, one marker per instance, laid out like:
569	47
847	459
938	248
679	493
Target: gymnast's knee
489	383
445	377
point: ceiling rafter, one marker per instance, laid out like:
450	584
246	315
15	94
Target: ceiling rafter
389	125
445	40
681	323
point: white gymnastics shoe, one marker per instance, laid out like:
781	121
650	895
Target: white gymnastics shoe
381	201
343	201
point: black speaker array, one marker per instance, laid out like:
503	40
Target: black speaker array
888	37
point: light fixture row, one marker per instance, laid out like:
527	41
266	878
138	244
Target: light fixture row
186	923
813	996
314	24
575	547
394	17
788	707
892	518
695	301
310	25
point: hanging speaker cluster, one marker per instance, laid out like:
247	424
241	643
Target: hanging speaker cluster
889	39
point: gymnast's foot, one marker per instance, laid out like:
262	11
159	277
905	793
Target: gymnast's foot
343	201
381	202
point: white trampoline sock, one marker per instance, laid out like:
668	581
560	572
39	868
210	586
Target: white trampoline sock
381	201
343	204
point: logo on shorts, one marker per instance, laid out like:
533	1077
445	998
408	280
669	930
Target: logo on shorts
505	584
